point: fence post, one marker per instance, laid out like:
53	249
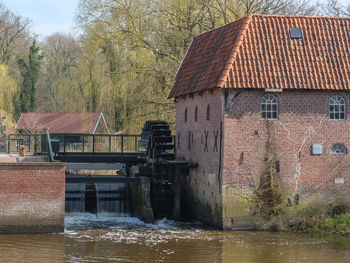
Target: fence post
64	143
135	144
29	141
109	141
8	144
83	143
35	142
93	143
122	143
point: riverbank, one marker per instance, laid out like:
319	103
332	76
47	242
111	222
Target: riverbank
323	224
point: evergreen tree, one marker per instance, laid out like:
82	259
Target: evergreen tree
30	70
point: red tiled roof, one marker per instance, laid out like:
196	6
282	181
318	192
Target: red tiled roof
257	52
58	122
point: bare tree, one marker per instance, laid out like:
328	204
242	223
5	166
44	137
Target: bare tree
61	58
13	29
335	8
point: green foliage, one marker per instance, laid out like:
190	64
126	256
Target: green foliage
30	70
322	224
336	209
8	91
268	196
333	218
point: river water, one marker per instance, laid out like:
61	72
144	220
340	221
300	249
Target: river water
91	239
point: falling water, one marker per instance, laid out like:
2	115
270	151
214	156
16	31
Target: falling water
112	199
75	198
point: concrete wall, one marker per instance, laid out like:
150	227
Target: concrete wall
32	197
199	142
140	200
303	121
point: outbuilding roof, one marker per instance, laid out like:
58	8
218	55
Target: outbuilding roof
59	122
258	52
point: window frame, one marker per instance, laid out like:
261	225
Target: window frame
293	31
338	153
336	112
266	111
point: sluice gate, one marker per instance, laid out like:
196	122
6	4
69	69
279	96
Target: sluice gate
103	199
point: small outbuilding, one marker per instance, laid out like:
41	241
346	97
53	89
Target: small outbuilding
62	123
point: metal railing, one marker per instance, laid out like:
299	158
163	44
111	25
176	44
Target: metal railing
74	143
33	143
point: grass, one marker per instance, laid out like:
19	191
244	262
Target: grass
328	225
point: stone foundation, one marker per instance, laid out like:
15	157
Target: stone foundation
140	200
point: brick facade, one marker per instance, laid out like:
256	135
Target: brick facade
196	143
304	178
32	197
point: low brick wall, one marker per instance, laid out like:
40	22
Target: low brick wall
32	197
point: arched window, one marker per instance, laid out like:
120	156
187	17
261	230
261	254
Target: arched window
269	107
186	115
337	108
338	149
208	112
196	114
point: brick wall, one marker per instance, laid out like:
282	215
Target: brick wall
304	178
199	142
32	197
303	121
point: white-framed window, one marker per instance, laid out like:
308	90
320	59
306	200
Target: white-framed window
338	149
269	107
337	108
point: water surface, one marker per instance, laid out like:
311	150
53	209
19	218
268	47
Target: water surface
91	239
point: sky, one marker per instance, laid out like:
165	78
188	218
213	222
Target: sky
50	16
47	16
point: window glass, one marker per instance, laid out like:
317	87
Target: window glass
337	108
269	107
338	149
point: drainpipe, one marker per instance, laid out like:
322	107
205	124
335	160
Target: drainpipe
220	158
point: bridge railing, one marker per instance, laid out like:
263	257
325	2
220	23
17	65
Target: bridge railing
112	143
75	143
34	143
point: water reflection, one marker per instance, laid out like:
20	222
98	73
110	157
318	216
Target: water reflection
32	248
91	239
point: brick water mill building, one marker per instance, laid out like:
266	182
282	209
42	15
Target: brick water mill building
287	76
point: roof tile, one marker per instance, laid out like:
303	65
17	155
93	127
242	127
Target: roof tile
59	122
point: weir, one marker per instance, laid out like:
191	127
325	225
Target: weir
102	199
112	199
75	198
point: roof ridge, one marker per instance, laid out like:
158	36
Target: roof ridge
216	28
236	46
273	15
301	16
60	112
